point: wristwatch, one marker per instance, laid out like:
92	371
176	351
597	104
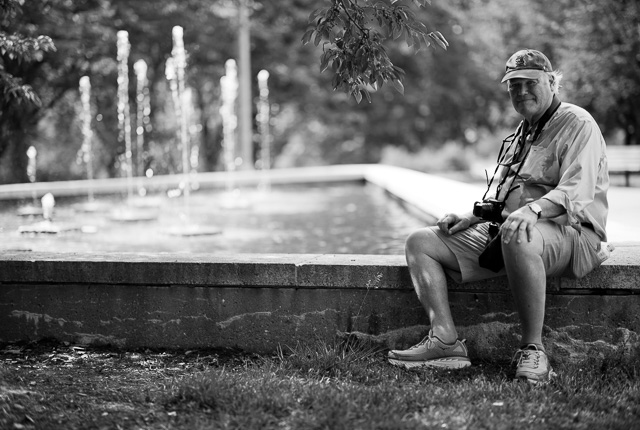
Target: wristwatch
536	209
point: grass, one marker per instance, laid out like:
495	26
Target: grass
308	386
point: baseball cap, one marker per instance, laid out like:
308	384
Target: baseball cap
526	63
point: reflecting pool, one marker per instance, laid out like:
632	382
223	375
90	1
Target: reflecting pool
311	219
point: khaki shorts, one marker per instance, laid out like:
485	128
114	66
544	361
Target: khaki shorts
566	252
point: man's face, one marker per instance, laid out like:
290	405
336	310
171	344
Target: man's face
530	97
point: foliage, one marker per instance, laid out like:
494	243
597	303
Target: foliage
21	49
355	48
18	100
449	96
599	43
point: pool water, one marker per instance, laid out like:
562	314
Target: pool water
320	219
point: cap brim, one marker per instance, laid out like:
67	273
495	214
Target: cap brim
522	74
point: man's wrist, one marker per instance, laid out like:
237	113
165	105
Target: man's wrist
536	209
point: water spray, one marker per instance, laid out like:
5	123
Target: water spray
263	126
124	114
87	133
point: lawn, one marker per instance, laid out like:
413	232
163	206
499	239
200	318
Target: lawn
49	385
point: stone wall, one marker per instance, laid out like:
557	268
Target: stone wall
258	302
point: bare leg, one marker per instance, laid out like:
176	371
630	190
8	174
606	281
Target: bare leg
527	279
426	255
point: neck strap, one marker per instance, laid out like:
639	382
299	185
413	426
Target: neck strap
522	132
555	104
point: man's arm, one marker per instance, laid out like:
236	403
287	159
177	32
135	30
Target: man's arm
579	169
453	223
575	189
519	223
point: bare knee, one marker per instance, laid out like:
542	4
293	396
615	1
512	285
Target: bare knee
425	242
418	242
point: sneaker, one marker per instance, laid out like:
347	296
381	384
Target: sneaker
532	365
432	352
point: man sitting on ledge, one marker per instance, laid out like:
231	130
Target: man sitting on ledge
546	216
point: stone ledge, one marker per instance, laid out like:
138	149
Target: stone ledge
207	270
315	175
620	273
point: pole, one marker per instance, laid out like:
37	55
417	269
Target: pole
245	129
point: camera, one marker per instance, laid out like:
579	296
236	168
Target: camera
489	210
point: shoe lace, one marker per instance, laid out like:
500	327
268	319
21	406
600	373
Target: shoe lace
527	358
427	340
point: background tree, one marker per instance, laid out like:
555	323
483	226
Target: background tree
599	44
353	35
452	101
21	53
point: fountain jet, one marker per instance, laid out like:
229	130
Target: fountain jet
142	116
87	133
175	72
124	114
263	127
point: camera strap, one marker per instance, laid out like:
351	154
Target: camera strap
555	104
501	155
520	136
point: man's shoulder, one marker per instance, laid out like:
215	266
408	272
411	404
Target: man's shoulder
569	111
576	120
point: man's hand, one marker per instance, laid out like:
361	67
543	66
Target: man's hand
519	225
452	223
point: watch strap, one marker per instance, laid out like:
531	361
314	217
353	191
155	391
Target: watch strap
536	209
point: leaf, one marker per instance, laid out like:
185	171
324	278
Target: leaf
307	36
398	85
398	71
324	61
335	65
316	13
402	13
439	39
358	96
367	94
45	43
336	81
396	31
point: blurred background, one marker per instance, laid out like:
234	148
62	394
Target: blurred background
451	118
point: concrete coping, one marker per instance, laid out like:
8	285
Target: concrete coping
620	274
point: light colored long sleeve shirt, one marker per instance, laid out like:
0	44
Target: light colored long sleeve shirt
566	165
